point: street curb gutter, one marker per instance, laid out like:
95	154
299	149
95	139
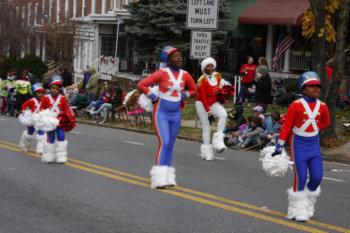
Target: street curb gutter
133	130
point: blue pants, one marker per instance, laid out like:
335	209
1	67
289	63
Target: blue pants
31	130
60	135
244	94
306	154
167	122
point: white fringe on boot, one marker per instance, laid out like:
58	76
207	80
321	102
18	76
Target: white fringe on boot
40	140
207	152
218	142
49	153
312	198
25	143
171	176
159	176
61	151
298	205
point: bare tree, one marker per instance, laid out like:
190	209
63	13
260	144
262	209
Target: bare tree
13	32
60	42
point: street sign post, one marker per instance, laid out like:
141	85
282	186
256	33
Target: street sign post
200	44
202	14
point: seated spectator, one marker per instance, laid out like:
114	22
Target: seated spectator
104	97
232	137
106	107
251	136
258	111
272	128
237	119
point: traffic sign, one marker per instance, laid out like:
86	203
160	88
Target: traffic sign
200	44
202	14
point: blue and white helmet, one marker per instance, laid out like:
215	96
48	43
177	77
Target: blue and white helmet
166	52
38	87
307	79
56	80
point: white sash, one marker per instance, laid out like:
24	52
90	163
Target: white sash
37	105
176	86
311	121
55	103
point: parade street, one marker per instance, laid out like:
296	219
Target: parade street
105	188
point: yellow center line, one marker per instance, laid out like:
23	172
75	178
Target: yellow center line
185	196
140	181
202	200
210	196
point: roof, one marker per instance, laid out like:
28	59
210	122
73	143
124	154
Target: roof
275	12
235	9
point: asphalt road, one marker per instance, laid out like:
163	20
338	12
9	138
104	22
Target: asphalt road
105	188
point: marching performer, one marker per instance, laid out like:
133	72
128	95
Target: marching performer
56	150
28	108
304	119
210	85
172	82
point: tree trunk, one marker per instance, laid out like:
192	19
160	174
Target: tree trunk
319	44
339	65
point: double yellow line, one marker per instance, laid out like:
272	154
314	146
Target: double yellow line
193	195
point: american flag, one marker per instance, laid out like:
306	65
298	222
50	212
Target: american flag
284	43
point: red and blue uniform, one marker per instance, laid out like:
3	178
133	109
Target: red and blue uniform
172	83
304	119
33	105
57	104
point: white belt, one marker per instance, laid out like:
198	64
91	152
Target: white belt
303	133
169	97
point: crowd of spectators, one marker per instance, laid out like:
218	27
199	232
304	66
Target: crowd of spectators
255	130
101	99
95	96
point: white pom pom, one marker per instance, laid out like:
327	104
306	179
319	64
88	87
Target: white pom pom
145	102
274	166
26	118
45	120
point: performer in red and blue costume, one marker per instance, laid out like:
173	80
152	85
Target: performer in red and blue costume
304	119
56	150
33	105
175	85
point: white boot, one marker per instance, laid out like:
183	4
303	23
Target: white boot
159	176
218	142
61	151
40	140
49	153
171	176
25	143
298	203
207	152
312	198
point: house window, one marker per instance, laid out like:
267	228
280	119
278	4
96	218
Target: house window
108	45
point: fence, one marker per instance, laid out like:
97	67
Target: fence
237	85
300	60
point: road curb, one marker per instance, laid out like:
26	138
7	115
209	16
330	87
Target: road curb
85	122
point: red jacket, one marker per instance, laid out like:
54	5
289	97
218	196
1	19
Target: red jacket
62	106
33	104
250	69
208	93
297	116
161	77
